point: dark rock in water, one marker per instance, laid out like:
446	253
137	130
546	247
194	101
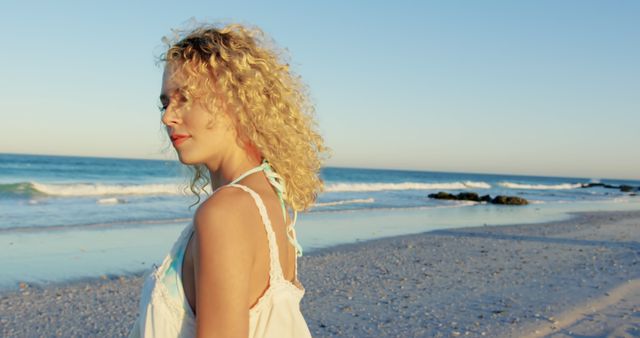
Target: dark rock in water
463	196
622	188
468	196
633	194
627	188
472	196
441	195
510	200
590	185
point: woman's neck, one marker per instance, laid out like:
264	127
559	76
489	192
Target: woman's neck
230	170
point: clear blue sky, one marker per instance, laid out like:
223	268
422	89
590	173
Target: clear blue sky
527	87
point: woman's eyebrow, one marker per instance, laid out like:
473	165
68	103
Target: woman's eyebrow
166	97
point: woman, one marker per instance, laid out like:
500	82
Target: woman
238	117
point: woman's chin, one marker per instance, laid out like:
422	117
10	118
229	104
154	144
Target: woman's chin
186	160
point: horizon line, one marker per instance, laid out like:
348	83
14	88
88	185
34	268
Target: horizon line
342	167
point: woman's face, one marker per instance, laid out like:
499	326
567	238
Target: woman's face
198	135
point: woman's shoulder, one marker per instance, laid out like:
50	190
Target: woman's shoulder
224	215
223	255
225	197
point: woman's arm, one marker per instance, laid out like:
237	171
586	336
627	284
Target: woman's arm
223	258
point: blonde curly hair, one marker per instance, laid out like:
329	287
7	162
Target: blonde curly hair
241	70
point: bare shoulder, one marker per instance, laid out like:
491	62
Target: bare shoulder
223	257
224	214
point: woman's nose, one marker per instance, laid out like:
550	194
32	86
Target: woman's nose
169	116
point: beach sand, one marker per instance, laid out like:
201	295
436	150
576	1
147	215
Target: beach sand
574	278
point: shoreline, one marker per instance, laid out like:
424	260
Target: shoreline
47	258
500	280
71	282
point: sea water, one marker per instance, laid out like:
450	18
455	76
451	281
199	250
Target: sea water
71	217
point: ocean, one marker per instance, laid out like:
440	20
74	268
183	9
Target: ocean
65	218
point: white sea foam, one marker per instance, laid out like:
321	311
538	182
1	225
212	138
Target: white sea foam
86	189
478	185
466	203
111	200
449	205
347	187
622	199
353	201
536	202
563	186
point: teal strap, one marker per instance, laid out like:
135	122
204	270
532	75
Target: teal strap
294	240
278	183
249	172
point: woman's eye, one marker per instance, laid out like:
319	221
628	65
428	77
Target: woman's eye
163	103
181	98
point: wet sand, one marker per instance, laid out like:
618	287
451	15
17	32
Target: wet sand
574	278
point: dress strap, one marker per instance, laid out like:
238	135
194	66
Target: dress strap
262	166
275	270
278	183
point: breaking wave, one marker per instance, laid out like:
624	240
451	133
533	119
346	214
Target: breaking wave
32	189
562	186
353	201
349	187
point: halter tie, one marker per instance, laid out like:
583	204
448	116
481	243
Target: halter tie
278	183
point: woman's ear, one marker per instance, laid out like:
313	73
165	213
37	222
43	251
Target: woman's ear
210	122
219	117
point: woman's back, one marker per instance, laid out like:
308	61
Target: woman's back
260	244
165	310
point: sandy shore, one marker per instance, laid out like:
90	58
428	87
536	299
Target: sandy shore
575	278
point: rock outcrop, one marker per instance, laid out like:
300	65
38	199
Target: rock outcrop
622	187
472	196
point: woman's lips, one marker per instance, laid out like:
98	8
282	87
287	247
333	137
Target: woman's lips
177	139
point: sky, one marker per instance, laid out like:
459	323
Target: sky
547	88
